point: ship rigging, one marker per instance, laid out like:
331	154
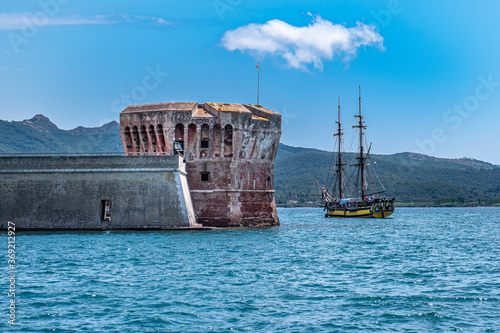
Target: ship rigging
362	199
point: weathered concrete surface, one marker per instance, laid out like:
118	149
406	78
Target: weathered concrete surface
69	192
230	151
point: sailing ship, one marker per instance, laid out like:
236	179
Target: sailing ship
361	199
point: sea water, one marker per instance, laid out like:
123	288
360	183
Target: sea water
421	270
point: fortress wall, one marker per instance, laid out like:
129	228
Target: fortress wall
237	193
73	192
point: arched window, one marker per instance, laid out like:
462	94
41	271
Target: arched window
144	137
228	141
179	135
152	135
161	138
135	134
217	144
191	147
204	140
128	140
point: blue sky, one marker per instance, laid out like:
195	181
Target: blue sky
429	70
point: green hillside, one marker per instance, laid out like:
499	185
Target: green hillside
414	179
40	135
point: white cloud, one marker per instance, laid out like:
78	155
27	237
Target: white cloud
320	40
18	21
147	19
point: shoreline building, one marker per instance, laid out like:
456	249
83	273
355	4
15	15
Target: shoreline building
186	165
229	150
94	192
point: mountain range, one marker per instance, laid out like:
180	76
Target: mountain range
414	179
40	135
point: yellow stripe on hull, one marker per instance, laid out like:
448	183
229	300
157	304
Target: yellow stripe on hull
360	213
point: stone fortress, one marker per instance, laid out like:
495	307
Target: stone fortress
229	151
186	165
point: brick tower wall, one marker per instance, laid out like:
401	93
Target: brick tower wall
229	149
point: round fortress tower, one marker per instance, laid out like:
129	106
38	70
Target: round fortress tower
229	151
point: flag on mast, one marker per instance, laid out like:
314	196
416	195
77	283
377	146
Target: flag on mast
258	65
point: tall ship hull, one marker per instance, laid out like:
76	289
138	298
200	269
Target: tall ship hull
378	208
356	196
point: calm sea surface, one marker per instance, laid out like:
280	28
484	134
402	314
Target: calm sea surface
423	270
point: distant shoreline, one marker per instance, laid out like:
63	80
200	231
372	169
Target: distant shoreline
404	206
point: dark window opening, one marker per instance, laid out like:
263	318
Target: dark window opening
190	149
135	134
228	141
179	132
161	138
106	210
152	135
205	136
205	176
144	138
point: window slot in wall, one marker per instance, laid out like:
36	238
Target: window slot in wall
106	210
205	176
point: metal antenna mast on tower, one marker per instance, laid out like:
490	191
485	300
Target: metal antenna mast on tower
258	81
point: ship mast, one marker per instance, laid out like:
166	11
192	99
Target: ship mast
361	158
339	163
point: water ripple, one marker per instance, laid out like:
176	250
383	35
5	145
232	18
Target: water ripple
425	270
